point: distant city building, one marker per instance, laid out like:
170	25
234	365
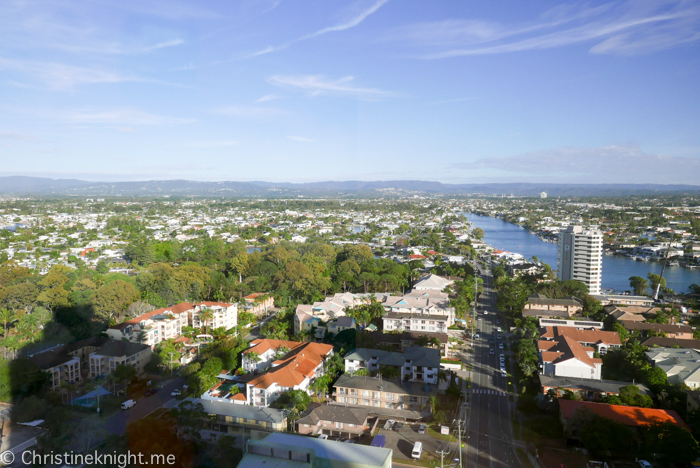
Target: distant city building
581	256
543	195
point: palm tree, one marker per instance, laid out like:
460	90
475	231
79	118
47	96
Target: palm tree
23	328
206	315
7	317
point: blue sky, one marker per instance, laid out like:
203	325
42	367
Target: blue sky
455	91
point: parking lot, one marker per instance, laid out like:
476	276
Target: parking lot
402	442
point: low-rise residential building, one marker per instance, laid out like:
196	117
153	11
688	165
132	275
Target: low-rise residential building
286	366
565	357
660	342
343	323
621	299
432	282
583	324
419	305
258	303
539	305
630	416
225	315
105	360
281	450
153	327
587	389
601	340
334	421
61	367
407	321
243	421
383	393
414	364
668	330
681	365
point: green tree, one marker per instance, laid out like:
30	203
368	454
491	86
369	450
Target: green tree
206	315
639	285
672	442
654	281
112	299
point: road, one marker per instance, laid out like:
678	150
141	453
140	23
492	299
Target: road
488	412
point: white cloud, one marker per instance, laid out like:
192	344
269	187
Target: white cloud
359	14
300	139
268	97
247	111
214	144
316	85
163	45
626	28
606	164
124	129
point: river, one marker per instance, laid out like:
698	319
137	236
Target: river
616	269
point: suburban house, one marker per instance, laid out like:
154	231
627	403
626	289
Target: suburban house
565	357
407	321
383	393
669	330
106	359
600	340
660	342
587	389
334	420
286	365
539	305
432	282
258	303
631	313
630	416
681	365
308	316
281	450
408	338
415	364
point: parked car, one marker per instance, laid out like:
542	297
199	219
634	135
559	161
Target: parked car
389	424
500	345
498	329
151	391
398	427
176	392
491	351
323	436
422	428
128	404
504	374
350	441
644	464
476	337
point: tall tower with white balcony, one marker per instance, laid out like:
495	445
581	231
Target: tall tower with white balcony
581	256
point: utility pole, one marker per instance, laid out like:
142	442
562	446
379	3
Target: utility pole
442	456
459	437
171	361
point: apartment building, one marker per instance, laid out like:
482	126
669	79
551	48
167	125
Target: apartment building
280	450
334	421
286	365
225	315
565	357
539	305
61	367
581	256
600	340
383	393
243	421
394	321
258	303
415	364
667	330
105	360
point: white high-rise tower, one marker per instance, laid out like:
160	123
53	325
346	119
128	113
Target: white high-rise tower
581	256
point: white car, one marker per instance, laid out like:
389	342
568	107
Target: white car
504	373
176	392
644	464
323	436
476	337
498	329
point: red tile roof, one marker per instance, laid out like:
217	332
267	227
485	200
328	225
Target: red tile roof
583	336
297	365
627	415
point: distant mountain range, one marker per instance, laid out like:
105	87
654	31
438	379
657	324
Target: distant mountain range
45	187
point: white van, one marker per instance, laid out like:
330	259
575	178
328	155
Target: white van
417	450
128	404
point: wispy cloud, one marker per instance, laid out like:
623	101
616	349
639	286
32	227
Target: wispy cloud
266	98
124	129
118	117
606	164
248	111
317	85
626	28
300	139
163	45
17	136
59	76
450	101
358	15
214	144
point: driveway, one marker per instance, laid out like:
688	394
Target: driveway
402	442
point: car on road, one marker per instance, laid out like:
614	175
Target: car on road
478	330
486	312
498	321
176	392
389	424
151	391
128	404
644	464
498	335
491	351
422	428
500	345
498	329
398	426
323	436
504	373
476	337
